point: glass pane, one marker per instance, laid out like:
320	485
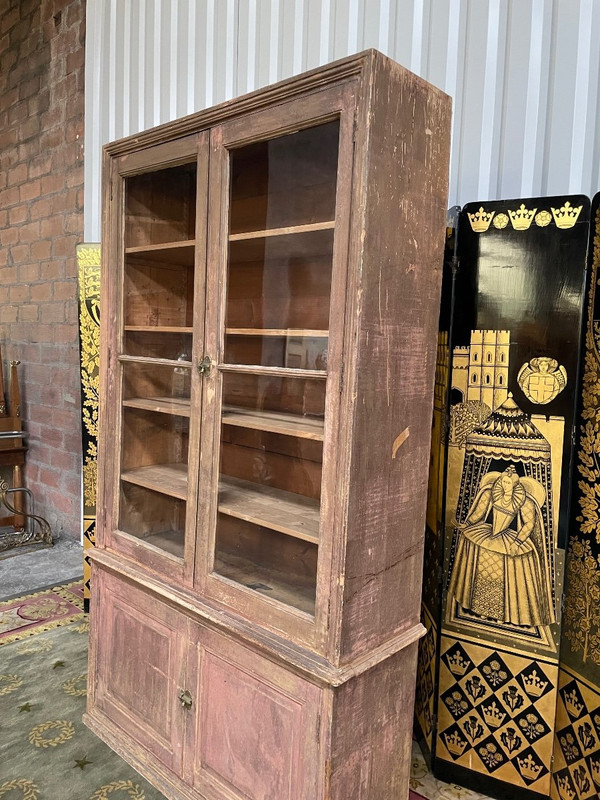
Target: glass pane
154	454
294	352
157	388
263	560
282	217
159	344
290	180
160	206
282	214
293	398
278	300
156	518
158	297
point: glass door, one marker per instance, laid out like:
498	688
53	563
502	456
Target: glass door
156	349
273	366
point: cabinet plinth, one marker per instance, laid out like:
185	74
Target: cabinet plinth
271	280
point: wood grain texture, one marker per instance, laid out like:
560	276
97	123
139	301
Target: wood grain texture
144	637
371	732
392	378
276	422
291	229
292	514
292	617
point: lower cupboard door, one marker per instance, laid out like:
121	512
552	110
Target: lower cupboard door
256	727
140	663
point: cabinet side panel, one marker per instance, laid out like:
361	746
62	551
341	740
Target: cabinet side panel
371	732
407	184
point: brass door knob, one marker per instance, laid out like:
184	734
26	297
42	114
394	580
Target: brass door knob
185	698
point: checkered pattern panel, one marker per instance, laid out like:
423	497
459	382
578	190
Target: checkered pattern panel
577	745
496	712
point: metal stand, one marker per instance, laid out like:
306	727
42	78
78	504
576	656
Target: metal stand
36	529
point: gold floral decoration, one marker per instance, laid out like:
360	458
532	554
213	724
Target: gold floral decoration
37	645
500	221
589	446
581	622
81	627
66	732
76	687
132	790
12	684
43	607
543	218
27	788
89	331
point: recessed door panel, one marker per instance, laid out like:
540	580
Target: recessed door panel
140	668
256	734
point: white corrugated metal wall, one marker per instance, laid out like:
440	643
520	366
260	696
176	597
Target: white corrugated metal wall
523	74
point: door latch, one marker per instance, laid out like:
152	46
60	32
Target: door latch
205	365
185	698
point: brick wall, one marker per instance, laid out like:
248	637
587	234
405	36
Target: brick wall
41	222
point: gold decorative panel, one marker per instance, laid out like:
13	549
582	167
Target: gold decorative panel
88	263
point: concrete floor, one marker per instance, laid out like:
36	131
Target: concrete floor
24	570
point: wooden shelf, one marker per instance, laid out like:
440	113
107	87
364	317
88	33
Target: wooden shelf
270	583
292	514
169	541
274	422
274	372
179	407
158	328
178	253
156	362
302	243
169	479
292	229
302	333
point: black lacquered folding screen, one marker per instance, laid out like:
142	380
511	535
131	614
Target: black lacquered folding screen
514	347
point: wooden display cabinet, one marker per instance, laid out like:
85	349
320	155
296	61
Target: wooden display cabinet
271	273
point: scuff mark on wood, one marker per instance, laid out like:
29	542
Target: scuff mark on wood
399	441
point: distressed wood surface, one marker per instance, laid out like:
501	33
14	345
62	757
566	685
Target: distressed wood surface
301	669
391	380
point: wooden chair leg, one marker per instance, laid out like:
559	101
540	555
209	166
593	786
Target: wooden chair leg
18	496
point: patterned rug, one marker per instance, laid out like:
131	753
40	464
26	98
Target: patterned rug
46	752
40	611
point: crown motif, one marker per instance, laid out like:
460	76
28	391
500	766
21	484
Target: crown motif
493	715
566	216
595	770
455	743
457	664
529	769
522	218
572	704
534	685
480	221
565	789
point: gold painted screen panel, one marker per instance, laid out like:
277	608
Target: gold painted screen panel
88	272
514	350
576	774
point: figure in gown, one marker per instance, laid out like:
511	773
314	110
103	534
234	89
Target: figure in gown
501	568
